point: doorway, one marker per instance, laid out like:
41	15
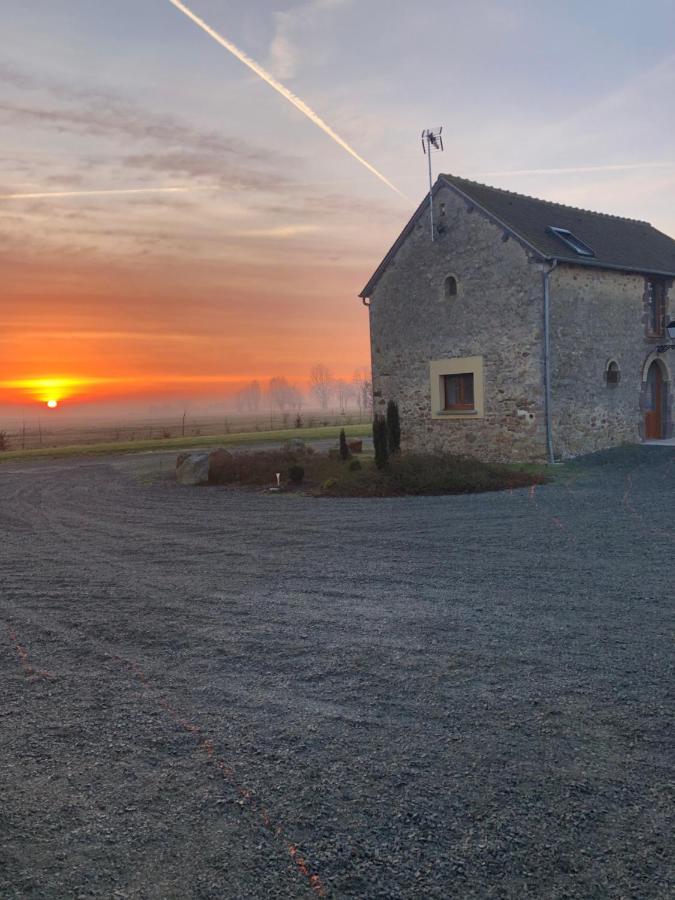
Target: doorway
655	404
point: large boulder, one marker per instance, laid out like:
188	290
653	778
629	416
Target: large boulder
222	467
192	468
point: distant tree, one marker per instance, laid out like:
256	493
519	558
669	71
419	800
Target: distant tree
393	427
380	441
344	449
321	384
363	390
281	393
4	441
344	393
296	399
247	399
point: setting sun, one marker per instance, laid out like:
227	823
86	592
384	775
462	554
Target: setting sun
52	404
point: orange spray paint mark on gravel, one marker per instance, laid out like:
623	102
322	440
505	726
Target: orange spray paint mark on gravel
247	796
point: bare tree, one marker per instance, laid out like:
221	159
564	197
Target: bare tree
363	389
285	396
281	393
321	381
344	393
296	399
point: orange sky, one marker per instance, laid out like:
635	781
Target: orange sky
173	327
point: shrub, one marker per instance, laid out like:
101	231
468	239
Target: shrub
222	467
380	441
393	427
344	449
329	484
296	474
355	465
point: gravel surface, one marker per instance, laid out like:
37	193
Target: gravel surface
207	693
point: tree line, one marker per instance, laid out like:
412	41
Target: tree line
324	391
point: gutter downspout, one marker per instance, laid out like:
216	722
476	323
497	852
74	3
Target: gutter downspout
547	362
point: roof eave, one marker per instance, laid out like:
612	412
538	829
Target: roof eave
493	218
391	253
598	264
442	181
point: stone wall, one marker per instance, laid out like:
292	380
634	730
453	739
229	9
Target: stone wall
497	314
597	316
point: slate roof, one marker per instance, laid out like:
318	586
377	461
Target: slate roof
617	243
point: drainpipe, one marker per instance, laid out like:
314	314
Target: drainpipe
547	361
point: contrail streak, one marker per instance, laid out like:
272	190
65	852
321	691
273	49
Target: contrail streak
41	195
284	91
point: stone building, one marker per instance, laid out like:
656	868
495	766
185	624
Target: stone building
526	330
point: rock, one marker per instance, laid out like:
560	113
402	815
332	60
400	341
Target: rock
295	445
192	468
222	467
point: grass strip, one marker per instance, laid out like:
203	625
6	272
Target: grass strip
187	443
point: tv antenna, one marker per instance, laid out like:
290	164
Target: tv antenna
431	141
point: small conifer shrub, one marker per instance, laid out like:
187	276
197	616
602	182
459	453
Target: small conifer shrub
344	449
393	427
380	441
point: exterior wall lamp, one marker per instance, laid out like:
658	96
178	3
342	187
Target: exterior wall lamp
670	328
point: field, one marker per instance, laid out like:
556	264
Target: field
231	439
55	430
211	693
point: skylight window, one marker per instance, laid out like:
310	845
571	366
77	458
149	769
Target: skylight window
575	243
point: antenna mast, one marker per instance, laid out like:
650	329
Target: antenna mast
431	140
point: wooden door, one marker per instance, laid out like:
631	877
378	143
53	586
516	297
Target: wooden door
656	396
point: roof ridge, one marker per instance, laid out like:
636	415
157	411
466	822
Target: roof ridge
593	212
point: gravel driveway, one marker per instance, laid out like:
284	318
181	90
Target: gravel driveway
212	694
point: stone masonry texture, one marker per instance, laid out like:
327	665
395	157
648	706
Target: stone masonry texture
497	314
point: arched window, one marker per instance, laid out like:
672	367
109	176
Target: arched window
612	373
450	287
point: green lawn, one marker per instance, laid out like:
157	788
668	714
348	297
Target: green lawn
216	440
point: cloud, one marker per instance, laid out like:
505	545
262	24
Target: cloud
201	164
576	170
114	192
121	120
289	44
279	231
